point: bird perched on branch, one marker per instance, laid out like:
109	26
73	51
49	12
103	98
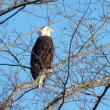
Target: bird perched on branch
42	55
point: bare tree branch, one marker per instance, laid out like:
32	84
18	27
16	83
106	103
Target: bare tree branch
12	15
20	65
69	55
78	88
23	3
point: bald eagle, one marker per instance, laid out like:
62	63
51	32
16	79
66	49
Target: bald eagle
42	54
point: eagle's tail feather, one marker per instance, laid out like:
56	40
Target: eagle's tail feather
41	81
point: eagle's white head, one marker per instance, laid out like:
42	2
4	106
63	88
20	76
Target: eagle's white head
45	31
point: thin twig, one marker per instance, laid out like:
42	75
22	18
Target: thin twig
100	97
12	15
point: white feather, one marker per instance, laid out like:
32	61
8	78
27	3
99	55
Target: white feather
41	79
46	31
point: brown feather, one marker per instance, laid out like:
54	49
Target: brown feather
42	55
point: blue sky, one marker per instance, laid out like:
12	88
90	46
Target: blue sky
35	16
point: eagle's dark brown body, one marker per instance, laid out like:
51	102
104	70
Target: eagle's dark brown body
42	55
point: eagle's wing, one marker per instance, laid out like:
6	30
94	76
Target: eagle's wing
42	55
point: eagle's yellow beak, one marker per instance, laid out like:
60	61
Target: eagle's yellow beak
50	30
